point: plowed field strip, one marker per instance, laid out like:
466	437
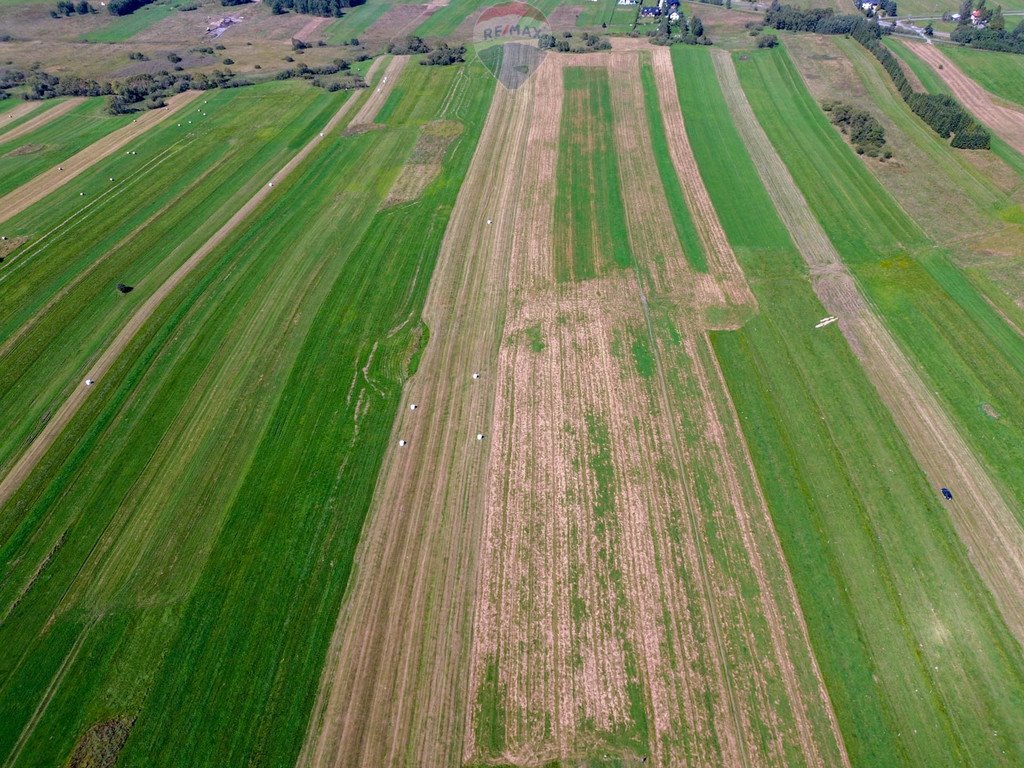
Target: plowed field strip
982	517
39	120
380	93
723	260
1004	121
63	415
393	690
42	185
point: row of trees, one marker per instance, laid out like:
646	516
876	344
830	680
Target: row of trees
680	32
124	7
314	7
566	43
68	8
824	21
943	113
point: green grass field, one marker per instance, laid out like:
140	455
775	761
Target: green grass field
183	568
589	199
123	28
29	155
918	664
971	356
999	73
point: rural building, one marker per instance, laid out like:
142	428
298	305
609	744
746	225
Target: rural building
650	12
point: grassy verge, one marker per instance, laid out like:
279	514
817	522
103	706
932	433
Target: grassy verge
222	474
681	218
917	662
588	200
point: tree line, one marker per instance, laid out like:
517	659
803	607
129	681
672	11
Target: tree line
314	7
944	114
866	134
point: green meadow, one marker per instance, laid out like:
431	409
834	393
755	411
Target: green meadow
918	664
178	562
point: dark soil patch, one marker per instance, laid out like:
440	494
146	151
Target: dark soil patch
100	746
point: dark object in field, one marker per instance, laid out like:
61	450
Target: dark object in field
125	288
947	494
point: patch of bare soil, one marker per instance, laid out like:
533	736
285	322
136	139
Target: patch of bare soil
980	514
26	149
311	27
424	162
42	185
40	120
1005	121
101	745
63	415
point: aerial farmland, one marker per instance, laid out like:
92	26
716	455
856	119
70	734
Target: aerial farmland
464	384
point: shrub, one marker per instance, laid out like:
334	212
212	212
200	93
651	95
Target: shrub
124	7
228	62
767	41
444	55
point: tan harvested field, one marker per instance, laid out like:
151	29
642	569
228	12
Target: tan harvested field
1005	121
424	163
981	516
42	185
368	112
66	412
40	120
557	577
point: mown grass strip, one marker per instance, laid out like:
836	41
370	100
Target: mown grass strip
917	662
592	236
678	209
997	72
969	353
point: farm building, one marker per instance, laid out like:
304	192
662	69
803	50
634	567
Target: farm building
650	12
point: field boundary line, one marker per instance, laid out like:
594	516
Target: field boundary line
1004	121
55	426
980	515
16	113
49	181
41	119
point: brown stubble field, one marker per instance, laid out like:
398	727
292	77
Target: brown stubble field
982	517
609	618
599	573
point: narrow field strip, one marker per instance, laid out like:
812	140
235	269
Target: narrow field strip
981	515
716	245
34	122
42	442
42	185
393	687
368	112
16	112
1005	121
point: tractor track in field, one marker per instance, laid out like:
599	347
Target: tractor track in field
1003	120
980	514
39	120
368	112
13	480
49	181
393	687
